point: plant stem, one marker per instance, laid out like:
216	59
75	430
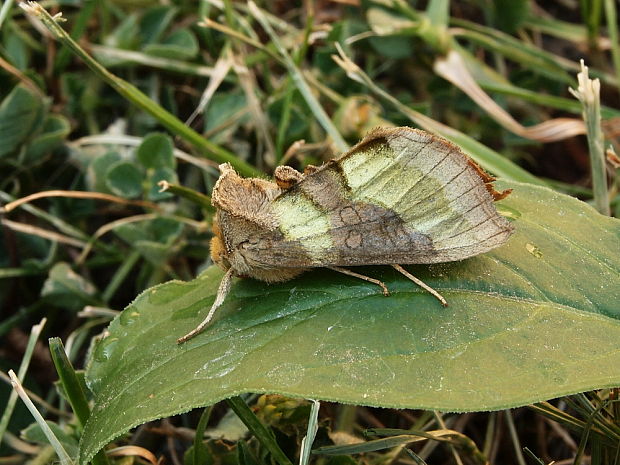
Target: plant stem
588	93
79	26
308	440
199	451
515	437
120	275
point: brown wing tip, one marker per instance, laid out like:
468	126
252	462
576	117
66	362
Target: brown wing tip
488	181
496	194
286	177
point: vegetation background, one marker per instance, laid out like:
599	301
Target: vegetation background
145	91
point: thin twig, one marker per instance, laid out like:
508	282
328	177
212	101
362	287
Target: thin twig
40	232
78	195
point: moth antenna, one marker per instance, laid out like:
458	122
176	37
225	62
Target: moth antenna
386	292
424	286
222	292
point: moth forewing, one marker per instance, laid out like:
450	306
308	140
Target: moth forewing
400	196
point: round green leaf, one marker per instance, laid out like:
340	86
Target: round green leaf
154	22
156	151
55	130
20	113
534	319
180	45
98	169
124	179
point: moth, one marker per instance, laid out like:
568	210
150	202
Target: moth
400	196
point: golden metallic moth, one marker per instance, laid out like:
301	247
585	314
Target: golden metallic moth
400	196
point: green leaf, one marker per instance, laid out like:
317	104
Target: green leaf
153	239
162	230
392	47
19	113
180	45
393	31
156	151
55	130
124	179
224	107
154	22
534	319
438	12
65	288
124	35
34	433
384	22
155	252
15	49
98	169
510	14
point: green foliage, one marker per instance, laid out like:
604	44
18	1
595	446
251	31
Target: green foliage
20	113
124	179
67	289
155	151
180	44
28	131
33	433
138	174
511	14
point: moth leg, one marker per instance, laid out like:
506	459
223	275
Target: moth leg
222	292
361	276
424	286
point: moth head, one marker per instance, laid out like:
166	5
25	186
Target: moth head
219	254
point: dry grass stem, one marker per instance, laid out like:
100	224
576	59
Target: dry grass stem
76	195
40	232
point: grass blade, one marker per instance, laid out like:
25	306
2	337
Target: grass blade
308	440
73	388
238	405
23	368
55	443
300	82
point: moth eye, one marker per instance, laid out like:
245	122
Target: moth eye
246	244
